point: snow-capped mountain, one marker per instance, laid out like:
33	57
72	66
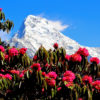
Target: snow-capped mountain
37	31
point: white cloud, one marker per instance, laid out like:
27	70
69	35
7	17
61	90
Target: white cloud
4	36
58	25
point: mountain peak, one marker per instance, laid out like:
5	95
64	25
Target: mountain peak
36	31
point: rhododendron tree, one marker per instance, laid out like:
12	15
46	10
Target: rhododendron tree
94	67
44	79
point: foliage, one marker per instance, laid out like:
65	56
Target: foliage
5	25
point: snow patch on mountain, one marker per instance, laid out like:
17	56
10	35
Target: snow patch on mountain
36	31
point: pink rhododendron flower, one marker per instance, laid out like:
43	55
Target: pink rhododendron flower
22	51
2	70
42	89
6	57
69	76
43	73
68	79
55	45
96	84
52	75
95	60
69	84
87	79
13	52
83	51
80	99
67	57
36	66
35	58
1	75
59	88
8	76
23	71
75	58
47	65
51	82
2	48
0	9
21	75
15	72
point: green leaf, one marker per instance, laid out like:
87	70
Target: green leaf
89	95
52	93
45	84
27	73
84	89
59	64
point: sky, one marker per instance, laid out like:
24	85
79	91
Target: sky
81	16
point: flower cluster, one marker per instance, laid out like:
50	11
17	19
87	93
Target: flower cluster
55	45
94	60
21	75
47	65
83	51
6	57
52	75
0	9
43	73
67	57
7	76
51	82
2	48
15	72
36	67
22	51
59	88
35	58
68	76
96	84
87	79
75	58
13	52
51	78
